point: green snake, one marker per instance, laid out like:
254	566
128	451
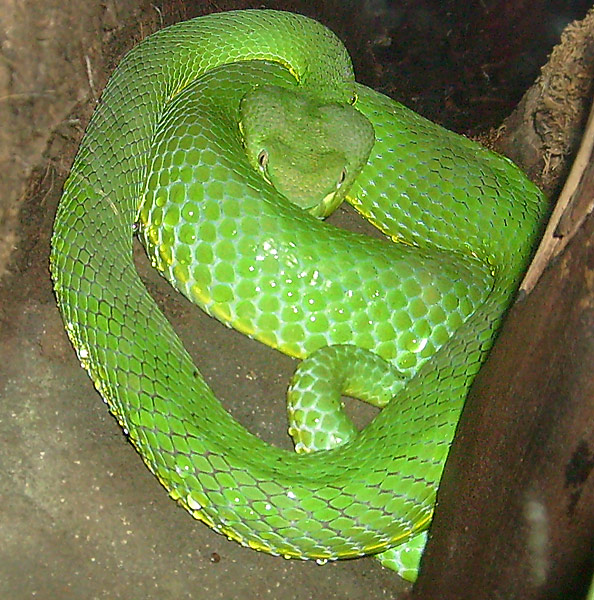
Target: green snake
180	147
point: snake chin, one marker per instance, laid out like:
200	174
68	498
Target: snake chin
326	207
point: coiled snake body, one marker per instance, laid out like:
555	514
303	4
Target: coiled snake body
462	222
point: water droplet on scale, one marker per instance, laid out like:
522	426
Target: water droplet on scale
416	344
192	503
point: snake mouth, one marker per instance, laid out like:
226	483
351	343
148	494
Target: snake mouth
325	207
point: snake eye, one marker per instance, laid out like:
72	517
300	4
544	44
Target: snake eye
263	159
341	177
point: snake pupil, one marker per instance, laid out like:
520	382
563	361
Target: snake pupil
263	159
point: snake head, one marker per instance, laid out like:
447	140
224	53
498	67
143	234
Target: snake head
308	150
